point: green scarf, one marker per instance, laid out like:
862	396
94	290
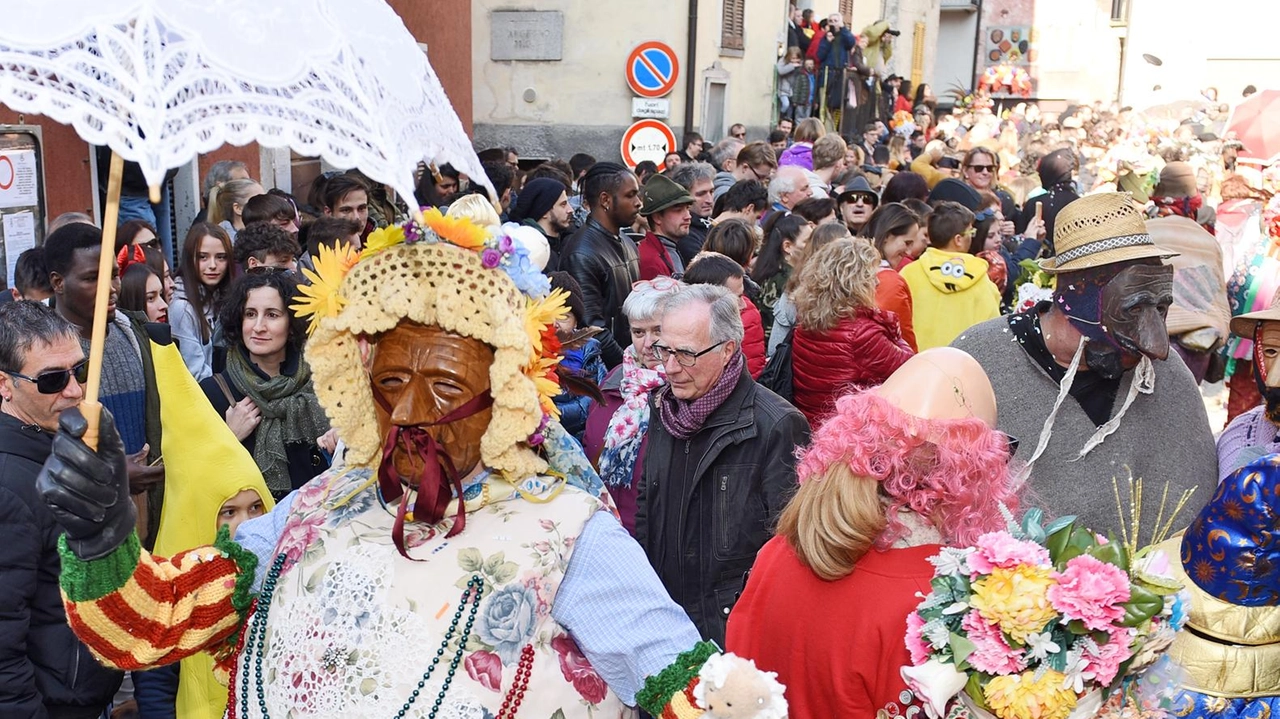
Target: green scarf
291	414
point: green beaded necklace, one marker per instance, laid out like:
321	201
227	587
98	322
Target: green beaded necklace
256	636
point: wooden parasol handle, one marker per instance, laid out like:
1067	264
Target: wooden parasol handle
91	408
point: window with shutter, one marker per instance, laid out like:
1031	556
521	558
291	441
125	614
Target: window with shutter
846	11
731	34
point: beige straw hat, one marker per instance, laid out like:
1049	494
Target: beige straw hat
1100	229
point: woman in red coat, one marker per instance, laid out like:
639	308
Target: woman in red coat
895	474
842	342
713	268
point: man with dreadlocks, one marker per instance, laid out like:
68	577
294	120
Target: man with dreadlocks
602	259
467	562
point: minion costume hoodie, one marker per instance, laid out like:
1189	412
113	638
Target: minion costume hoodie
950	292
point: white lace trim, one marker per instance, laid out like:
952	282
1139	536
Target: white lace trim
162	80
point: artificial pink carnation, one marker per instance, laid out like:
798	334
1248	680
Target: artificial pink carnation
919	648
1105	662
1001	549
1091	591
992	653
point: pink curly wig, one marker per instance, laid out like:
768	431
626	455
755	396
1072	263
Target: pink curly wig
955	472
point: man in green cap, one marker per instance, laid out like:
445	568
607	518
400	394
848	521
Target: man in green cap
666	207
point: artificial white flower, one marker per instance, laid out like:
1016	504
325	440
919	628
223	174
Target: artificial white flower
951	562
1040	646
1076	673
935	683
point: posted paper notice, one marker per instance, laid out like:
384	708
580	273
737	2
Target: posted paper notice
19	236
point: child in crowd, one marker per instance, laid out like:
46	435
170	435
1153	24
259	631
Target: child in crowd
30	278
713	268
221	487
581	357
804	89
950	290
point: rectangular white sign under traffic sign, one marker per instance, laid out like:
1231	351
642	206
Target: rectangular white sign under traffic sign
650	107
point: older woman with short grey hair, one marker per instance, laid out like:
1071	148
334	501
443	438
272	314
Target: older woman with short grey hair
615	435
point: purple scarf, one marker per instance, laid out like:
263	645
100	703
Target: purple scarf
682	418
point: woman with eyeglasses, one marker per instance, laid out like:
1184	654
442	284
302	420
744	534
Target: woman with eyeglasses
842	341
203	279
616	430
980	170
265	392
136	232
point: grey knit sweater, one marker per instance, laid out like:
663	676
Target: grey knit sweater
1164	437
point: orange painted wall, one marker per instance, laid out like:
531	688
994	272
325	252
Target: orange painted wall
444	25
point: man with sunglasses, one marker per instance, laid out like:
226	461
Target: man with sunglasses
42	368
720	462
857	202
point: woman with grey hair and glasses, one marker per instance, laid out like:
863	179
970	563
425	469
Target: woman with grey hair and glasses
615	435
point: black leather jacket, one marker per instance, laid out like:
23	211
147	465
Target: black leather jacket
44	669
605	266
708	504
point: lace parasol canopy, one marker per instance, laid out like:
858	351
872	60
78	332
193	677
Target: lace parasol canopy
162	80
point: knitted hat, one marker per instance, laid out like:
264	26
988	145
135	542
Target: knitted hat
455	275
1231	550
955	191
1177	179
1100	229
536	199
661	192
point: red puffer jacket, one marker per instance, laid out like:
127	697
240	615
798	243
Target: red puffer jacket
752	338
861	351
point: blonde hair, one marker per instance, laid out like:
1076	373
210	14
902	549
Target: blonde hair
476	208
1022	186
794	52
832	520
223	199
835	282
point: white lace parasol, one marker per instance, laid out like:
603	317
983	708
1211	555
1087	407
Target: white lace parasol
161	80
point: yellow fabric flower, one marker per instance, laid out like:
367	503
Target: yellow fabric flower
381	239
455	230
322	298
542	372
540	313
1015	599
1022	696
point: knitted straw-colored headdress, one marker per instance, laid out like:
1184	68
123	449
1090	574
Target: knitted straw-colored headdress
452	274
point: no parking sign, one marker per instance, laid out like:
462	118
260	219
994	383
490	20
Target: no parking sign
652	69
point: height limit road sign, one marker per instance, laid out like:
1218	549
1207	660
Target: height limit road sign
652	69
648	140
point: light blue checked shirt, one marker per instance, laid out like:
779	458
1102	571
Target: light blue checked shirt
610	600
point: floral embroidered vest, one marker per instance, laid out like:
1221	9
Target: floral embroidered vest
353	625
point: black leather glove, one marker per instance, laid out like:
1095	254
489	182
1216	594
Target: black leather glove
87	491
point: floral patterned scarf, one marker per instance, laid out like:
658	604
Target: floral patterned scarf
630	422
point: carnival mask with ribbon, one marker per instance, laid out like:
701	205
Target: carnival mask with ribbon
1121	308
1266	359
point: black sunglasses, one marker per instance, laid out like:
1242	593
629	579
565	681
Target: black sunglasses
55	380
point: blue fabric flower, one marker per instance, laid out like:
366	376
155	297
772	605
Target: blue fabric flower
527	278
508	620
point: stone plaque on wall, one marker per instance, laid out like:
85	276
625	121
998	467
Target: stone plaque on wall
526	35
